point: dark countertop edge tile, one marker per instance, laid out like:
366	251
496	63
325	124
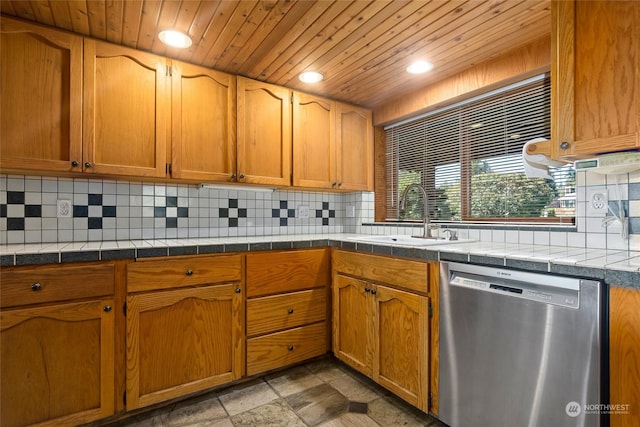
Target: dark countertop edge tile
381	249
364	247
572	270
262	246
301	244
320	243
622	279
211	249
114	254
348	245
454	256
414	253
48	258
77	256
183	250
151	252
7	260
236	247
522	264
281	245
487	260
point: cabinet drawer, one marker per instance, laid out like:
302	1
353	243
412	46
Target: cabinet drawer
273	313
34	285
277	272
146	275
287	347
412	275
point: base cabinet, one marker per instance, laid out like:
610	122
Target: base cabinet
624	355
186	337
382	330
57	353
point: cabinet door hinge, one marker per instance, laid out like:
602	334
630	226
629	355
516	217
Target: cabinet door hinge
169	71
168	168
430	310
124	309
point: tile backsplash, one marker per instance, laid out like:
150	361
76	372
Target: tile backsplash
36	209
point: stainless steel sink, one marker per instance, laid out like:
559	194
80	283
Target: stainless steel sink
401	240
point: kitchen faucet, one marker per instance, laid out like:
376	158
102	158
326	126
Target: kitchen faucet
426	233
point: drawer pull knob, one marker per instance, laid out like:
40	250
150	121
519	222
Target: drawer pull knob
290	348
36	287
367	290
238	290
373	291
107	308
88	165
189	272
290	311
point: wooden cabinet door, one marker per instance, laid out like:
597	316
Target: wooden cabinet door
57	364
595	77
203	123
401	361
181	341
264	133
352	330
40	98
125	111
354	141
314	154
624	354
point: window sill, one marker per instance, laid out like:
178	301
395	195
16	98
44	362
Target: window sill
483	226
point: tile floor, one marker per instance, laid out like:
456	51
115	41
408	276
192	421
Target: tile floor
323	393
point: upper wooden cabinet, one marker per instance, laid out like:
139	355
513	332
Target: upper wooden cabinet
40	98
264	133
354	148
332	144
125	111
595	100
203	123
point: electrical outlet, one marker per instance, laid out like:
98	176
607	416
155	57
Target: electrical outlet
65	209
597	202
303	211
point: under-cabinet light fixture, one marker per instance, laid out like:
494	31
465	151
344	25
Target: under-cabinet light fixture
311	77
239	187
420	67
175	38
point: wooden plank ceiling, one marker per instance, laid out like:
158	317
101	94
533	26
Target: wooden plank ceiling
362	47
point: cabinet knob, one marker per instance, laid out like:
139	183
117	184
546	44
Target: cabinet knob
87	165
373	292
241	176
333	184
290	311
189	272
233	176
290	348
339	184
238	290
36	287
107	308
564	145
74	163
367	290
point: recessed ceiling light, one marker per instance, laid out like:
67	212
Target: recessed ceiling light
310	77
175	39
419	67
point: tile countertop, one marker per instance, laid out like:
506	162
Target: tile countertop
619	268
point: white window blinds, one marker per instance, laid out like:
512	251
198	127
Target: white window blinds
468	157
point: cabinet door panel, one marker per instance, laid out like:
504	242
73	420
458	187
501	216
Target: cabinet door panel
314	155
41	98
125	111
264	133
401	337
352	340
203	136
57	364
354	148
182	341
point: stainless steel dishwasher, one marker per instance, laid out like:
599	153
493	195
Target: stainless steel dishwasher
520	349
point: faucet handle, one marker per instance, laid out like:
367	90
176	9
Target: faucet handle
453	234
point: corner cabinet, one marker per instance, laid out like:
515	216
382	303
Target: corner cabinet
125	111
185	326
332	144
264	133
595	98
57	344
41	117
624	354
381	322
